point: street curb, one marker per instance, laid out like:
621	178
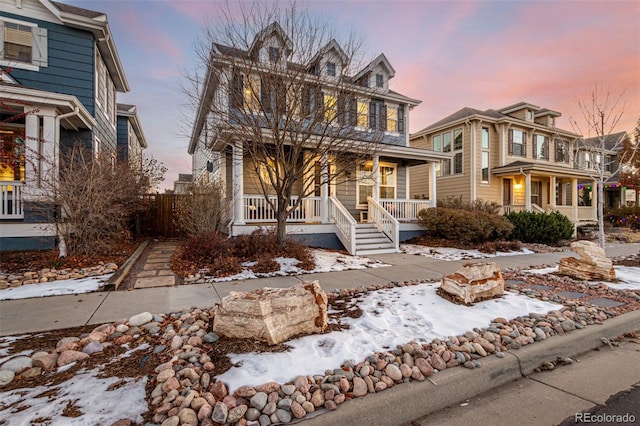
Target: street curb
408	401
115	280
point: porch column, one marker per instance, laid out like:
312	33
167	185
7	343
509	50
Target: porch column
33	155
432	184
552	192
574	198
50	165
324	190
376	178
238	183
594	200
527	192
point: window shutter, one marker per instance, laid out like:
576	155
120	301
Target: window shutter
353	111
372	115
510	141
382	125
401	119
524	144
39	47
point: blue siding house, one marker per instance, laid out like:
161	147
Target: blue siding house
131	140
59	76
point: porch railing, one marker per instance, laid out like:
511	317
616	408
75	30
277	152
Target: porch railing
404	210
587	213
11	204
513	208
345	223
257	209
384	221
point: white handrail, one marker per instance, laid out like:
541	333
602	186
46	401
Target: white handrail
404	210
384	221
11	203
345	223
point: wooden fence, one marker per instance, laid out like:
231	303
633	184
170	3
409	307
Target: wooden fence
158	216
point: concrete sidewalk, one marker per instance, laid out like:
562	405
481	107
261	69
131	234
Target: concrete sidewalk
50	313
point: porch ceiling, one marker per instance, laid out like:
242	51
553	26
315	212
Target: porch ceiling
519	167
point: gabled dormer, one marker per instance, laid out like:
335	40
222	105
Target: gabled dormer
377	74
271	44
522	111
329	62
547	117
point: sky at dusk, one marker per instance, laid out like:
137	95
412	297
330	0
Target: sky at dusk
449	54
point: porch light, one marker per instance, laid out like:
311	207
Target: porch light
517	185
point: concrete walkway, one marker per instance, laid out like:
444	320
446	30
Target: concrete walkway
156	270
50	313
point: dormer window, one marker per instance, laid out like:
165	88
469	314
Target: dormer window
379	80
274	54
529	115
552	121
331	69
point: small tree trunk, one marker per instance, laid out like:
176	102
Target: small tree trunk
281	215
600	214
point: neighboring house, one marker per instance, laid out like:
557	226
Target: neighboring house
60	73
377	208
515	156
589	157
131	140
183	184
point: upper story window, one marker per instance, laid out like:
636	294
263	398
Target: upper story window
245	92
331	69
437	142
517	142
540	147
552	121
562	151
274	54
529	115
330	107
484	167
450	142
24	44
392	119
377	115
379	80
485	138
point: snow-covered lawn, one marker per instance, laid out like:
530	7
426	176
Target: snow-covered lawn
326	261
628	277
389	317
100	400
55	288
449	254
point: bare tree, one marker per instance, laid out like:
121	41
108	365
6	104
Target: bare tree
601	113
203	210
288	115
631	170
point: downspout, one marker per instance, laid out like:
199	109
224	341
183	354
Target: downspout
472	159
62	245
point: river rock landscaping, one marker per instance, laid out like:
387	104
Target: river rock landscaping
168	369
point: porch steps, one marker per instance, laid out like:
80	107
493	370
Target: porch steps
369	240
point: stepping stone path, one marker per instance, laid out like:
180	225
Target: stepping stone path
604	302
571	294
156	271
541	287
515	282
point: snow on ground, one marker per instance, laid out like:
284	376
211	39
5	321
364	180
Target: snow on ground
389	317
449	254
628	277
326	261
99	399
55	288
91	395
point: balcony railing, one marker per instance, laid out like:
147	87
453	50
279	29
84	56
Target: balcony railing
258	210
11	205
404	210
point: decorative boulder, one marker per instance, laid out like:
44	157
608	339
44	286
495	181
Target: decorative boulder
474	282
272	315
592	265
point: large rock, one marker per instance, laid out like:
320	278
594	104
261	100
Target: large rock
474	282
272	315
592	265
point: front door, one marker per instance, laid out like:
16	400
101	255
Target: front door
507	192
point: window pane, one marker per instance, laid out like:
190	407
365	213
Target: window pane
485	166
330	104
457	163
392	119
446	142
365	191
485	138
457	139
387	175
363	113
437	143
387	192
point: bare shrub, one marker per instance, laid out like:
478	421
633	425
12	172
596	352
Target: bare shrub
203	210
479	205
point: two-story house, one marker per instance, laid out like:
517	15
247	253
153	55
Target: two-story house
370	209
130	138
59	75
515	156
599	156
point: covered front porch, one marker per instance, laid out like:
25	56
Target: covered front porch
546	188
368	212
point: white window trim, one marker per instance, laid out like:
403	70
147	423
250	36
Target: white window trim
394	166
17	64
